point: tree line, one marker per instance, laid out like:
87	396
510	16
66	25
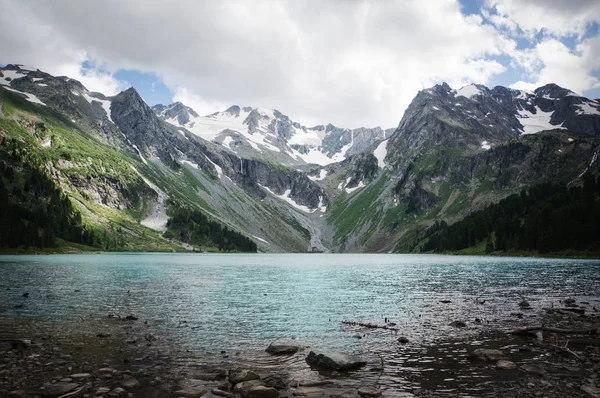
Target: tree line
194	227
544	218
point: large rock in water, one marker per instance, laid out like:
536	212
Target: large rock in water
332	360
282	348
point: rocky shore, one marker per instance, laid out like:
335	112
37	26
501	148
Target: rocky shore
554	353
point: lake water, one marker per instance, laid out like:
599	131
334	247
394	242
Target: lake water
211	302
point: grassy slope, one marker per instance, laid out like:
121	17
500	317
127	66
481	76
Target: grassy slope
78	155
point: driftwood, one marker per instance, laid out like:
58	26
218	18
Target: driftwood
370	325
529	329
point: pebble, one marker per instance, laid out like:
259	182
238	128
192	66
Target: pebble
506	365
130	382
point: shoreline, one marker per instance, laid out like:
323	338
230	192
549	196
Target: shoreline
560	255
120	357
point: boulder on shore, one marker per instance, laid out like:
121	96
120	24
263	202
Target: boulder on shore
239	376
332	360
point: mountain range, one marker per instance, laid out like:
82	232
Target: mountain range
127	168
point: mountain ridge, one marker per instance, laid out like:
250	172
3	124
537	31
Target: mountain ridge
454	151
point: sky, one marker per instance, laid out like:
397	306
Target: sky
352	63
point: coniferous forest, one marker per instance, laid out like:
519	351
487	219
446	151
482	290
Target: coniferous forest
33	210
545	218
194	227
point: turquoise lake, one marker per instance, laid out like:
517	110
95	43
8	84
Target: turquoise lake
211	302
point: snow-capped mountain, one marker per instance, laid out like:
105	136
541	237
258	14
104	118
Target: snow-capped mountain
478	117
267	133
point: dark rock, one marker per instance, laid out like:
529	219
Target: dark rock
276	381
118	392
129	382
25	294
445	301
486	354
505	365
150	337
532	369
238	376
524	304
369	392
403	340
345	394
195	391
458	324
245	385
332	360
58	389
131	318
260	392
103	335
308	392
282	349
102	390
221	393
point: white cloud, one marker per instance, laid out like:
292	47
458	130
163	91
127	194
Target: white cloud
550	61
557	18
201	106
350	63
44	46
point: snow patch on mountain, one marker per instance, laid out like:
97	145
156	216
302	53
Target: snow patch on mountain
10	75
536	122
217	167
360	185
105	104
290	201
468	91
588	108
320	177
191	164
380	153
29	97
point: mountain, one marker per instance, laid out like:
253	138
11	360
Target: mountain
457	151
269	135
154	178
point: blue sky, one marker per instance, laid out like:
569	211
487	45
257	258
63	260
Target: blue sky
350	63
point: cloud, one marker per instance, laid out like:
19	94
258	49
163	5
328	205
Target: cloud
351	63
556	18
348	62
550	61
44	46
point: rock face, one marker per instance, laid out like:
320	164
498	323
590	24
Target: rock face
331	360
238	128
